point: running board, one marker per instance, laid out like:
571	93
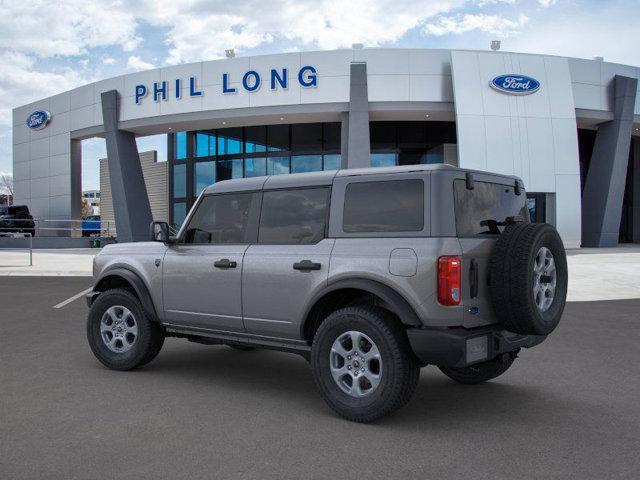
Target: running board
209	337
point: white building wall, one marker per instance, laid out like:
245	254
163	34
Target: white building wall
531	136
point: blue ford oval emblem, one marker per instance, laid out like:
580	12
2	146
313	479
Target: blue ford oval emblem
38	119
515	84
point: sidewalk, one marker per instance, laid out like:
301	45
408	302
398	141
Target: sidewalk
69	262
594	274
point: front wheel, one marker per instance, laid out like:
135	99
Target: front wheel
480	372
363	364
120	333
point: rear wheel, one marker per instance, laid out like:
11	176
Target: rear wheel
363	364
120	333
480	372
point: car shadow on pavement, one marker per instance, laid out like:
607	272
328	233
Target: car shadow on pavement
437	402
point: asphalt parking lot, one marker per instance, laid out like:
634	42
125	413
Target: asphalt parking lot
568	409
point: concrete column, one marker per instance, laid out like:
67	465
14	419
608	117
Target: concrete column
129	193
636	189
357	142
604	187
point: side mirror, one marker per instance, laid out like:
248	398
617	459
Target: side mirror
159	232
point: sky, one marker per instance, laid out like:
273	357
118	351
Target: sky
48	47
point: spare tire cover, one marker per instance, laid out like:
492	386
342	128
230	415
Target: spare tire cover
528	278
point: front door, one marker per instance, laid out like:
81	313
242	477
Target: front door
202	274
289	263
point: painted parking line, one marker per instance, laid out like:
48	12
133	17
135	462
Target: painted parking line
72	299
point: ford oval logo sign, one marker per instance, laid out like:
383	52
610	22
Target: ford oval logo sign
38	119
515	84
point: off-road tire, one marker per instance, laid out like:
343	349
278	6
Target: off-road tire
399	374
480	372
512	277
148	342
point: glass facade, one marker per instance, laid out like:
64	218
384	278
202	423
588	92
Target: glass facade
201	158
409	143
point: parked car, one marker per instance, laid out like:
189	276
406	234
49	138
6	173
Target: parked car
91	226
370	274
17	219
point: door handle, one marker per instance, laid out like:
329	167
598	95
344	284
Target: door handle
225	263
306	265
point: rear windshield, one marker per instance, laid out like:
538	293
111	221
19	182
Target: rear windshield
485	209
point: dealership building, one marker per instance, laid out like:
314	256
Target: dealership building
568	127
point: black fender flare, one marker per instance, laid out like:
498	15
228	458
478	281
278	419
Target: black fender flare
133	279
396	302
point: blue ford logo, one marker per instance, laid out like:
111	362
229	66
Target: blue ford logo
515	84
38	119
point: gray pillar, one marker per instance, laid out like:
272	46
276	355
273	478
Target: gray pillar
604	187
636	190
129	193
357	141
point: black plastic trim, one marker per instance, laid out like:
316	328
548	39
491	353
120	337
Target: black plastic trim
136	282
396	302
448	346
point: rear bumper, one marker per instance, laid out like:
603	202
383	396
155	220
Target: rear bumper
459	347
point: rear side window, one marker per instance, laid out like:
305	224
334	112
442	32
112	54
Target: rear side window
296	217
485	209
220	219
386	206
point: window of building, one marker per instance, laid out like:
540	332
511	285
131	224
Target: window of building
179	213
277	165
297	216
229	141
180	146
204	174
228	169
180	180
278	138
383	159
255	139
332	162
306	163
205	144
255	167
485	209
400	207
220	219
306	137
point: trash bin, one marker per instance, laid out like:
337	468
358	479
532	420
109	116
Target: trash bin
95	243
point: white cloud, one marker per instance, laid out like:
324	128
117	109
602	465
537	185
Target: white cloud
547	3
108	61
491	24
135	63
325	24
21	83
45	28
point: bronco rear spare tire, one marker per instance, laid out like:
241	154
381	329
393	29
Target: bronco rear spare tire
528	278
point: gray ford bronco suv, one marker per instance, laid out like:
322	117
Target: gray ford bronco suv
370	274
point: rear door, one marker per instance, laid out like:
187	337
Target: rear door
289	262
481	214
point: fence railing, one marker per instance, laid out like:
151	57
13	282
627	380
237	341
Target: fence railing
22	235
59	228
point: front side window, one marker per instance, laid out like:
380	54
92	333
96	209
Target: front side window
485	209
220	219
385	206
296	217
